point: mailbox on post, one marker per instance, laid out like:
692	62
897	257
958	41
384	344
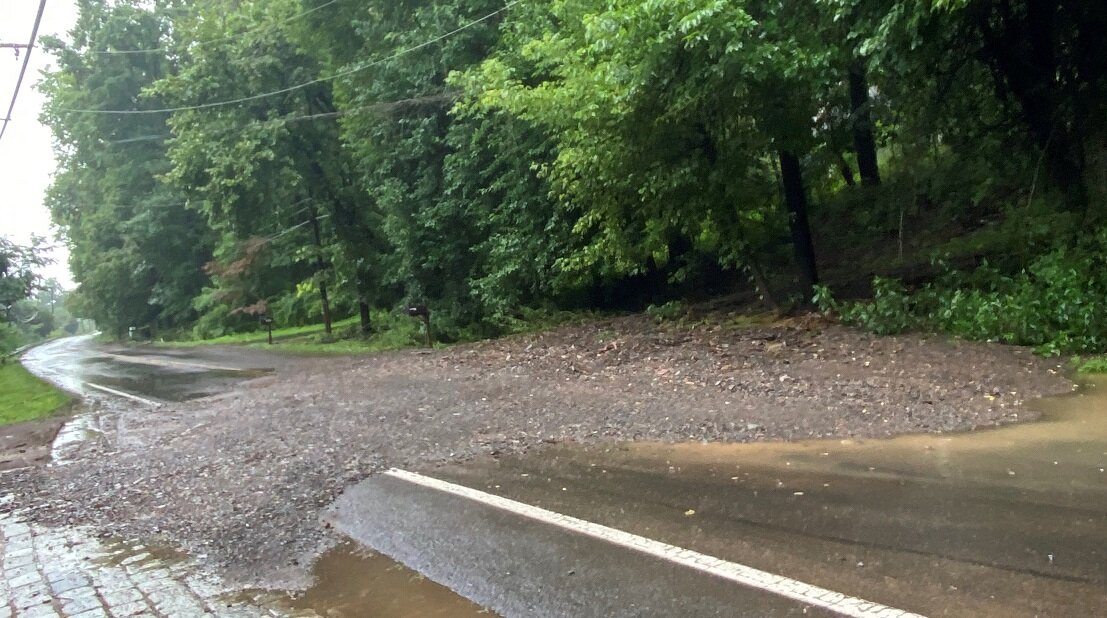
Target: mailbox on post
268	323
421	311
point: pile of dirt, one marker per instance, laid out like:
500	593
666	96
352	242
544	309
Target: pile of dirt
28	444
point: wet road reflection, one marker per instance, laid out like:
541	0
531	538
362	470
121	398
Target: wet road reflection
160	374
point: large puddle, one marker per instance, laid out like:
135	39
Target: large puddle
353	582
350	582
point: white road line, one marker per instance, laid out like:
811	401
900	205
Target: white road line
740	573
148	402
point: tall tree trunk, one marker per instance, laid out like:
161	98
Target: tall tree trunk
363	311
326	307
863	141
846	171
795	200
319	268
761	282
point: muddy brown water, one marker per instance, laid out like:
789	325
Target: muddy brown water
353	582
350	582
1018	511
1063	453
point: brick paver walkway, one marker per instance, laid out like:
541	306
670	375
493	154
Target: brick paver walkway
50	572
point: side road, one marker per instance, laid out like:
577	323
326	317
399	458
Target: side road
241	477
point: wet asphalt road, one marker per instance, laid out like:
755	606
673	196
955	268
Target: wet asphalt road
516	567
1004	522
158	374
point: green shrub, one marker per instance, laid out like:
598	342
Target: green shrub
889	312
11	338
672	310
1058	304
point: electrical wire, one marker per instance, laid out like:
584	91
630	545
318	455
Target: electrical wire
23	70
269	239
291	119
112	52
340	74
187	204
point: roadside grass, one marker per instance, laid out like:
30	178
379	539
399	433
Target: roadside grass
261	335
391	331
23	397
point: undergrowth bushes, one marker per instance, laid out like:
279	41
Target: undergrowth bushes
1058	303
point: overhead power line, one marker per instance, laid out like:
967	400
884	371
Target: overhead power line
340	74
23	69
383	105
112	52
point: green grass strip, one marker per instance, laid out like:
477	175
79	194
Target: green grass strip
23	397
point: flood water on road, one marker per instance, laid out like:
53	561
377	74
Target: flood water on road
349	582
1008	521
1063	454
1028	498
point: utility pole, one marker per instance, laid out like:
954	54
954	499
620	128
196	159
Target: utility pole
26	60
15	46
320	266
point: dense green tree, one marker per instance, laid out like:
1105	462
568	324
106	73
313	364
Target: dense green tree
668	117
469	227
136	250
19	276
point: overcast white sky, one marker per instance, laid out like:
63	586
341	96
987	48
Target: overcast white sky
26	158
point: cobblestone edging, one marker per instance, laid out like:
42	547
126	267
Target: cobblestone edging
50	572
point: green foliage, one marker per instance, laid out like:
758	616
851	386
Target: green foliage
891	310
393	331
18	276
12	337
662	114
136	251
1058	304
40	315
668	312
